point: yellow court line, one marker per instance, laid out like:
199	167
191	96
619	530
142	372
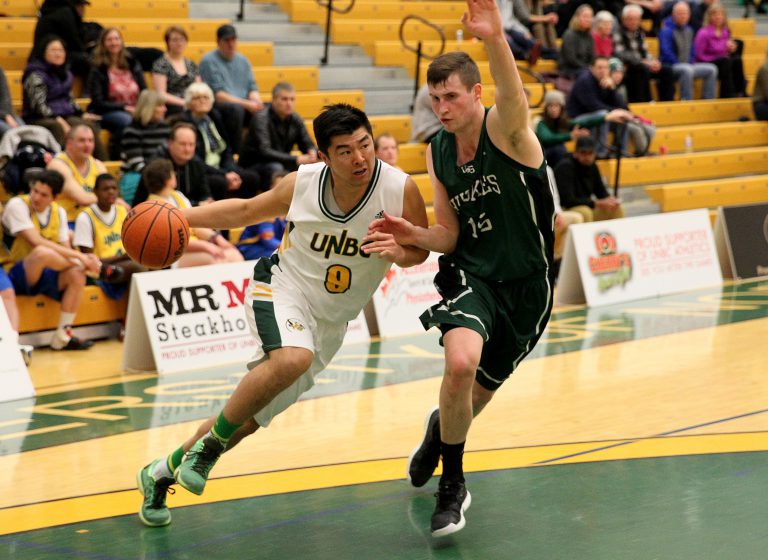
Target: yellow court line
126	502
125	378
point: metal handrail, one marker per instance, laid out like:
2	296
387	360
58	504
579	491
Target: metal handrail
417	49
328	4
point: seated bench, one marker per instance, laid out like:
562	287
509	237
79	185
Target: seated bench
709	194
40	313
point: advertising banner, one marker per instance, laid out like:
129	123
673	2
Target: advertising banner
403	295
741	234
14	377
184	319
632	258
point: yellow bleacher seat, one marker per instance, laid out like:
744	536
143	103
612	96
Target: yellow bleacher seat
717	136
367	31
708	194
310	11
39	313
682	167
412	158
178	9
21	30
393	53
694	112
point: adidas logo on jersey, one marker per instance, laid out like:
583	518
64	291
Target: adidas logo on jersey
379	215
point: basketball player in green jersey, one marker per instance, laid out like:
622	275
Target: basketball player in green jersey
494	223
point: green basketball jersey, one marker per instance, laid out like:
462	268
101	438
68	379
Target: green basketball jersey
505	210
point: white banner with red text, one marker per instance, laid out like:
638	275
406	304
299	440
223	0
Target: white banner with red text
633	258
14	377
183	319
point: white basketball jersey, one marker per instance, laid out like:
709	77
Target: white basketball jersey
321	250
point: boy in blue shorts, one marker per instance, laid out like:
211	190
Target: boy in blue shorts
42	259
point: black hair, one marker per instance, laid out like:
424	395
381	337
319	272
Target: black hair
156	174
336	120
52	178
101	178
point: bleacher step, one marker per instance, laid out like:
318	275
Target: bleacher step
289	54
379	78
252	12
279	32
388	102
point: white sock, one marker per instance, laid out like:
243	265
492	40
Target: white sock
161	470
61	336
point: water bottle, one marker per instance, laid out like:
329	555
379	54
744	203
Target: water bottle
459	35
688	144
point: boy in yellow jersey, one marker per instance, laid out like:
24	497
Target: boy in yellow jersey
205	246
8	298
42	259
98	231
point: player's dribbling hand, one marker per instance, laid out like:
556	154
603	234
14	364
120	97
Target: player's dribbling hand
384	245
483	19
401	229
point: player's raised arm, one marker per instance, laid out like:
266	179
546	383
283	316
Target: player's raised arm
508	120
240	212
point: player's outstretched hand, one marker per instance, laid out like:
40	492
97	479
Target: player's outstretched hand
400	228
384	245
483	20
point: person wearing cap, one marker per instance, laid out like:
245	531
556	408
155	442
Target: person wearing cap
554	128
581	187
594	93
64	18
230	76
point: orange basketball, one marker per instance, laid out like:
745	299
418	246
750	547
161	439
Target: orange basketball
155	234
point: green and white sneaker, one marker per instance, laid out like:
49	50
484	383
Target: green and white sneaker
154	512
192	474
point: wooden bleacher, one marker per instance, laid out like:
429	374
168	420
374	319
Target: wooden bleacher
178	9
687	195
41	313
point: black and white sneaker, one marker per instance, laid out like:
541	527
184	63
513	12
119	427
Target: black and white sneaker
453	500
423	460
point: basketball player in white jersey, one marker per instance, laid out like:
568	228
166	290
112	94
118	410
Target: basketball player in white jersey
300	299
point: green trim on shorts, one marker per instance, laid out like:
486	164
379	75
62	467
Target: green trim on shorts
264	311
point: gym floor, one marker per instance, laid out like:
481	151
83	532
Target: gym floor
636	431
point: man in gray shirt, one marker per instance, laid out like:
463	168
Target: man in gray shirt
231	78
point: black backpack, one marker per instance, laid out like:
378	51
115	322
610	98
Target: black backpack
29	158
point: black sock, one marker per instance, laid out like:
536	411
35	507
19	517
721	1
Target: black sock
453	469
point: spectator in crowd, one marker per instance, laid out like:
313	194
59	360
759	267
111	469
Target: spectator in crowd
42	259
98	230
8	119
142	138
206	246
47	94
554	128
602	36
713	43
640	130
262	239
760	92
173	73
230	75
630	47
191	179
8	300
578	48
543	23
424	123
581	187
564	219
64	19
594	93
79	169
272	135
225	178
114	85
677	49
514	14
386	149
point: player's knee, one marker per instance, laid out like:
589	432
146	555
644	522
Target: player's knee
74	277
290	363
460	368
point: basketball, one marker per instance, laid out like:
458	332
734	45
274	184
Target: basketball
155	234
